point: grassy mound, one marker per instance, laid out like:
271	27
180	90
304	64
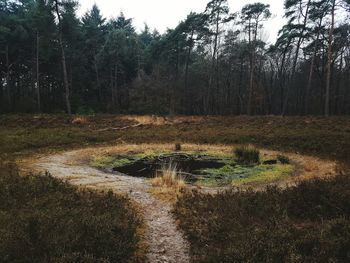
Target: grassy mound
306	223
45	220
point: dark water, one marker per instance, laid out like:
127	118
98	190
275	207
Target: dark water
148	167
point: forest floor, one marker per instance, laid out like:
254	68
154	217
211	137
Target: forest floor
45	142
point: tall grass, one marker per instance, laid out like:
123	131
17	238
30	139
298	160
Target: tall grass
168	176
247	155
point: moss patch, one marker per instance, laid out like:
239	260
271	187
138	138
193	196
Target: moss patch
236	175
102	162
267	173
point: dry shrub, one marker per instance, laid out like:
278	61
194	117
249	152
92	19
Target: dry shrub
168	177
80	121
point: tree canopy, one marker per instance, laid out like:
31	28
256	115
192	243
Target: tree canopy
214	62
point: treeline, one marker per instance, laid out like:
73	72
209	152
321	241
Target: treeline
215	62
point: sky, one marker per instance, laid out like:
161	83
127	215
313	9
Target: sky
163	14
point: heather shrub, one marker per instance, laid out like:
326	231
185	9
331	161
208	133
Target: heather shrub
43	219
306	223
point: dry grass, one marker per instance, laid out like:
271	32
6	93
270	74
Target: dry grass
168	177
80	121
147	119
162	120
168	183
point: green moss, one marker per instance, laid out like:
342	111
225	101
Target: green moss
267	174
109	161
238	174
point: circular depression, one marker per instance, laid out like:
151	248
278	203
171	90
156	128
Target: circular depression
207	165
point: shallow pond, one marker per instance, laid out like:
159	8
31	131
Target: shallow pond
200	169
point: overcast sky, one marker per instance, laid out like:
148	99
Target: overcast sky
163	14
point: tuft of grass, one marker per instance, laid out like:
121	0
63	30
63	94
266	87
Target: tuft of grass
168	184
168	177
247	155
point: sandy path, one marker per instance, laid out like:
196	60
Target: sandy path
165	242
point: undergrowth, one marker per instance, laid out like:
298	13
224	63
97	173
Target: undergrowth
43	219
306	223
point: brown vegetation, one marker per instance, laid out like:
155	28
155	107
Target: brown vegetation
305	223
43	219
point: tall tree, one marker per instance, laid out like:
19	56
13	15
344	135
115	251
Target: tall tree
218	13
59	8
252	15
93	27
297	11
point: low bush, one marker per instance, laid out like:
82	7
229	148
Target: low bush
43	219
247	155
306	223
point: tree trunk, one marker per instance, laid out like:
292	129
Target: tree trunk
63	59
329	61
251	73
187	95
116	86
210	94
337	89
252	68
37	72
312	65
296	58
8	91
98	80
111	76
282	77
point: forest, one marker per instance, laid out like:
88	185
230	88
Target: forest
212	63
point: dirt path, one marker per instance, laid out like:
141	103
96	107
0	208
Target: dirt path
165	242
